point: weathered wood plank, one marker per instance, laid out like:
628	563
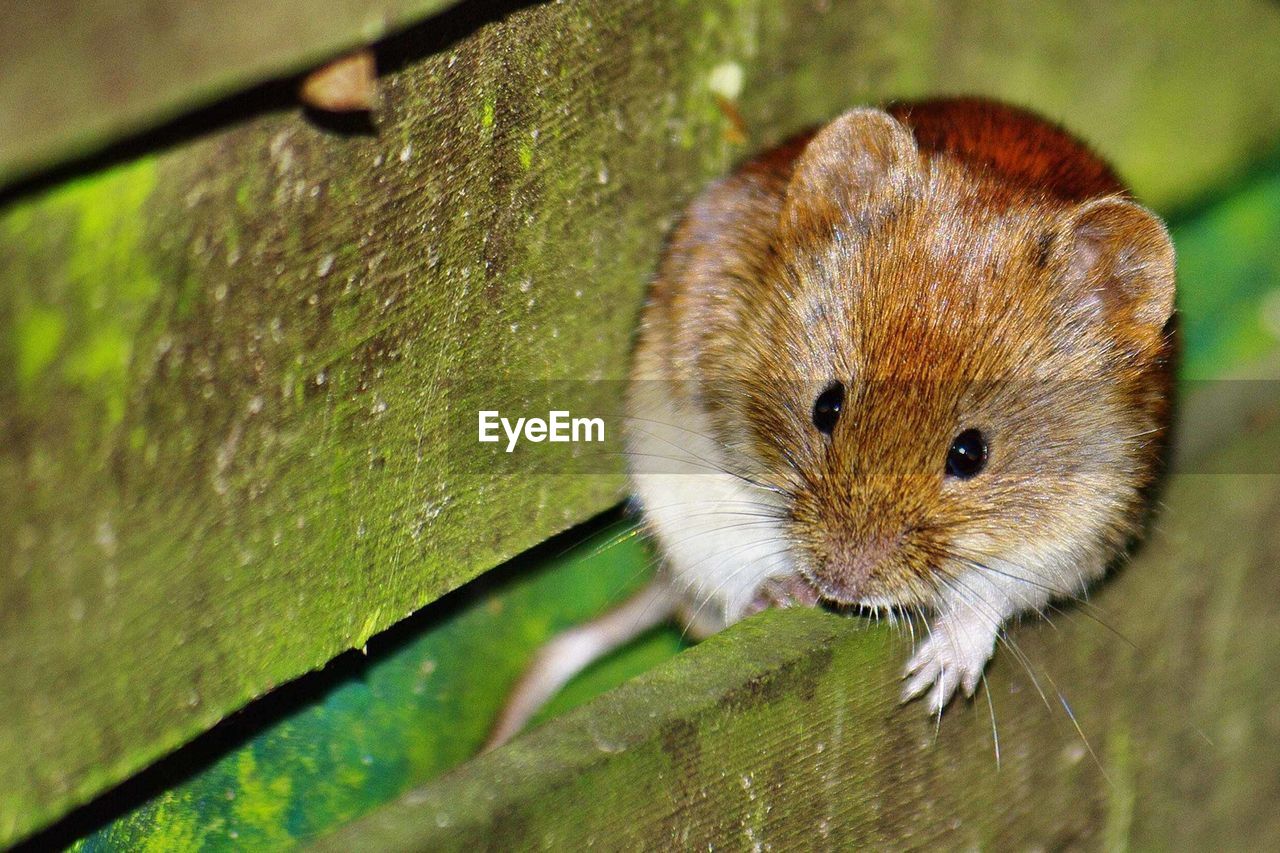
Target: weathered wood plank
231	362
76	76
784	732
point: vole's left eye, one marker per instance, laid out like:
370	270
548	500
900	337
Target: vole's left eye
968	455
826	409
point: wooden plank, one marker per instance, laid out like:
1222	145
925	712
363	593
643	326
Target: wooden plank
237	361
1144	722
64	93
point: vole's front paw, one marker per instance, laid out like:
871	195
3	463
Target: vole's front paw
953	655
788	591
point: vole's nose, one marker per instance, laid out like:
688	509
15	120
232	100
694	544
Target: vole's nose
852	564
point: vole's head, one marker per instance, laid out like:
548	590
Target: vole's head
949	371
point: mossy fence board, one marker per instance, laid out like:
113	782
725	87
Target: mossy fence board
230	360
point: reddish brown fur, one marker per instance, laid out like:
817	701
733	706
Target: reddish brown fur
973	287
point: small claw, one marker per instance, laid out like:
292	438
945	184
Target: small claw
914	687
943	689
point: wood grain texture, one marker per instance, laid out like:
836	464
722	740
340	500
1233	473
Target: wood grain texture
62	95
234	355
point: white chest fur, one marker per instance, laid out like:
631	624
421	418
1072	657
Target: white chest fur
719	534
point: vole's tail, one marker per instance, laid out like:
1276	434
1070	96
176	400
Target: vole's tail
571	651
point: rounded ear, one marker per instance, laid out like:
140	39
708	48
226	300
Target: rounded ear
860	156
1120	265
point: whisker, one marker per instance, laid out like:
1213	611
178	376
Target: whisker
739	475
1089	610
971	598
995	734
1022	658
734	574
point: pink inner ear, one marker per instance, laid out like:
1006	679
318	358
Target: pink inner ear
1122	262
850	160
1085	259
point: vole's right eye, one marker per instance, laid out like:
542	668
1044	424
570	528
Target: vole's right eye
826	409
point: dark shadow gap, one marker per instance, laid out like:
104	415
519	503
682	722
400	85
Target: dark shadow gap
394	53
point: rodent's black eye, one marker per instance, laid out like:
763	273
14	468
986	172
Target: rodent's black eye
826	409
968	455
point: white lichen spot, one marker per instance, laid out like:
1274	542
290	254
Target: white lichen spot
442	820
602	175
725	80
406	152
325	266
1074	753
432	509
379	406
377	161
255	404
220	292
608	747
105	537
321	378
